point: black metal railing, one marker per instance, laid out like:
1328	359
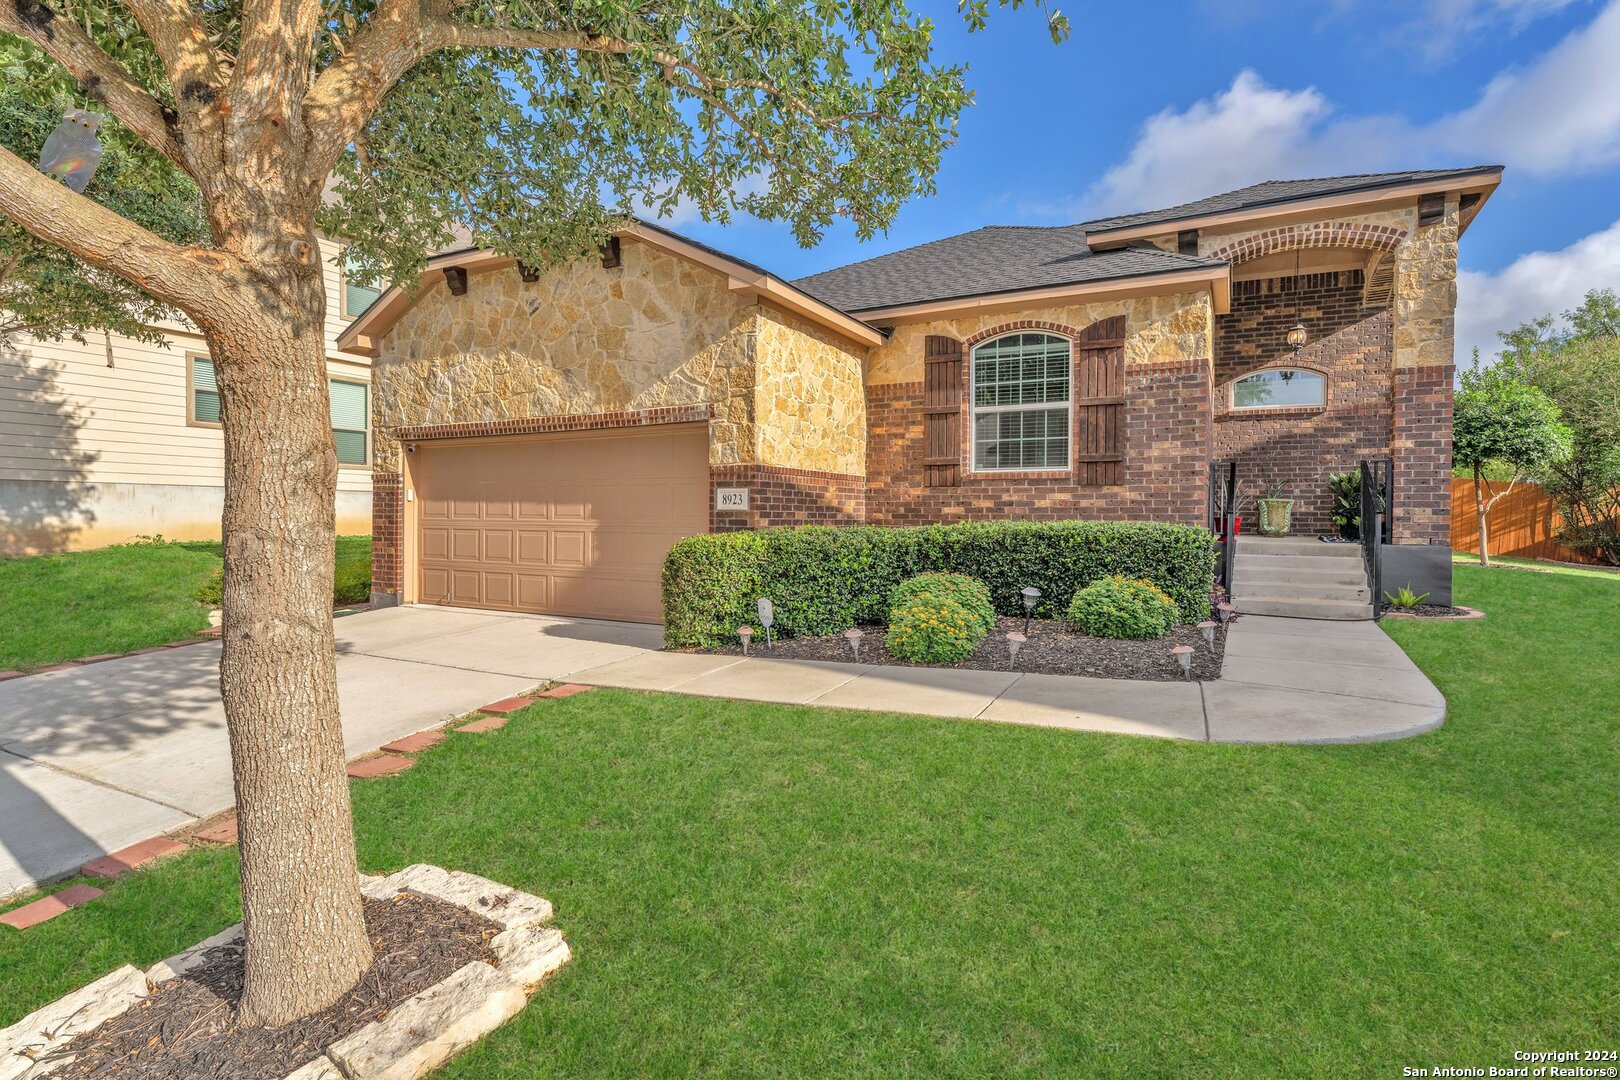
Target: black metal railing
1377	502
1223	497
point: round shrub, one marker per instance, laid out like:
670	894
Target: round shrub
933	630
971	593
1121	607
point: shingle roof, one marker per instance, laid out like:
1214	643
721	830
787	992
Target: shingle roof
1011	258
994	259
1276	191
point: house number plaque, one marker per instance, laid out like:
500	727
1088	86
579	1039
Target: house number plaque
731	498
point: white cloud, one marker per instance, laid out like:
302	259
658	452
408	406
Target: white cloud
1444	24
1559	114
1536	284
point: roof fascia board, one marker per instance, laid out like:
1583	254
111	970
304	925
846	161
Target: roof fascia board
1217	279
1483	183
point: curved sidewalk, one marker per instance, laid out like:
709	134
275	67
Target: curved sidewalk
1282	681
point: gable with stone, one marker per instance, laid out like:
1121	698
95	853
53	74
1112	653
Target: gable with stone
542	438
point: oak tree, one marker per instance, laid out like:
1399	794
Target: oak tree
391	124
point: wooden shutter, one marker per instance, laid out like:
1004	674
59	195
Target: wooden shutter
1099	403
942	412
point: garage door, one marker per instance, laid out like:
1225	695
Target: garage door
575	524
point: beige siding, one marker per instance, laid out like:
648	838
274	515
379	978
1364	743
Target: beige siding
66	415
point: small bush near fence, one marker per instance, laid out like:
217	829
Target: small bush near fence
823	580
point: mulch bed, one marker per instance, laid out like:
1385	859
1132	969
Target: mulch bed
1432	611
188	1028
1053	648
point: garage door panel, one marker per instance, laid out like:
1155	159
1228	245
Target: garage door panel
499	546
574	524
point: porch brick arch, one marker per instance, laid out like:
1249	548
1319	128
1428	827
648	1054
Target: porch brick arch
1312	234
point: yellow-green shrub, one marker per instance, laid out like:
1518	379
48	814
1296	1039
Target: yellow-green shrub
933	629
1121	607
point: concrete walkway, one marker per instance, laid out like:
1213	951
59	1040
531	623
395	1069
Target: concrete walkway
1283	681
95	758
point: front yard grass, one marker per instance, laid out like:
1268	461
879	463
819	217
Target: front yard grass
757	890
55	608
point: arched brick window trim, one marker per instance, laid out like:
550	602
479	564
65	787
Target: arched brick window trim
1023	324
1382	240
1223	391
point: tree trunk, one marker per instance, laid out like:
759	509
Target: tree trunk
306	943
1479	508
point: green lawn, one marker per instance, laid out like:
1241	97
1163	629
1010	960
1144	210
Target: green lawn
755	890
117	599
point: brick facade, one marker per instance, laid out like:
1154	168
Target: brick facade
387	533
1351	343
1422	453
1167	423
783	496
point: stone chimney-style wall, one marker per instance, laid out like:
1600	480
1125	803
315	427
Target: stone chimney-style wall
1351	344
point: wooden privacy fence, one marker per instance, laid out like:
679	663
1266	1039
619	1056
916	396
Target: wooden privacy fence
1522	523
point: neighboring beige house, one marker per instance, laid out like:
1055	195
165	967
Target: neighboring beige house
113	439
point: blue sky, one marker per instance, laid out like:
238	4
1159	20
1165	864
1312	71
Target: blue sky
1149	104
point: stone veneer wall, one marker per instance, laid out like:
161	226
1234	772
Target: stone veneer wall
810	399
1167	422
1350	343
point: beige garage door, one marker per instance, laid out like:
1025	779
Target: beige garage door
574	524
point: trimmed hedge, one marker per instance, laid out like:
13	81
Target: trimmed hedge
823	580
969	592
1119	607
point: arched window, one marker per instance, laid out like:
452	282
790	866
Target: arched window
1021	403
1279	388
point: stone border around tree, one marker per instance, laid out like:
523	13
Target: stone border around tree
1468	615
416	1037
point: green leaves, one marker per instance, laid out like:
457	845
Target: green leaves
823	580
1500	417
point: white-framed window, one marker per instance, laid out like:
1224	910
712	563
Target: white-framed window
351	430
359	291
1279	388
1021	402
202	392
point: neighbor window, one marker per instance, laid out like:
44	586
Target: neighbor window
1279	388
359	291
350	408
204	392
1021	403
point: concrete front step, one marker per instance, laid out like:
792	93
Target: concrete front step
1246	557
1258	569
1297	608
1311	590
1307	546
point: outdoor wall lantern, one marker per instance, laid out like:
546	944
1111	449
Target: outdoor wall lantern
853	635
1032	596
767	616
1184	655
1297	337
747	635
1015	641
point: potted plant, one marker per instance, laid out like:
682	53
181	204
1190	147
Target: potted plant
1346	489
1240	503
1276	510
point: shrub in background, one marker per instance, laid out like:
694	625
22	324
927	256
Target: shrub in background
971	593
823	580
1119	607
932	628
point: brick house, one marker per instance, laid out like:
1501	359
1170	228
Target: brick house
541	438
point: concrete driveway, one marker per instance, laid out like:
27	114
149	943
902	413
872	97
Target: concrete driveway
95	758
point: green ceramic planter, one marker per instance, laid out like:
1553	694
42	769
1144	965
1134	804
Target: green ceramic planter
1276	515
